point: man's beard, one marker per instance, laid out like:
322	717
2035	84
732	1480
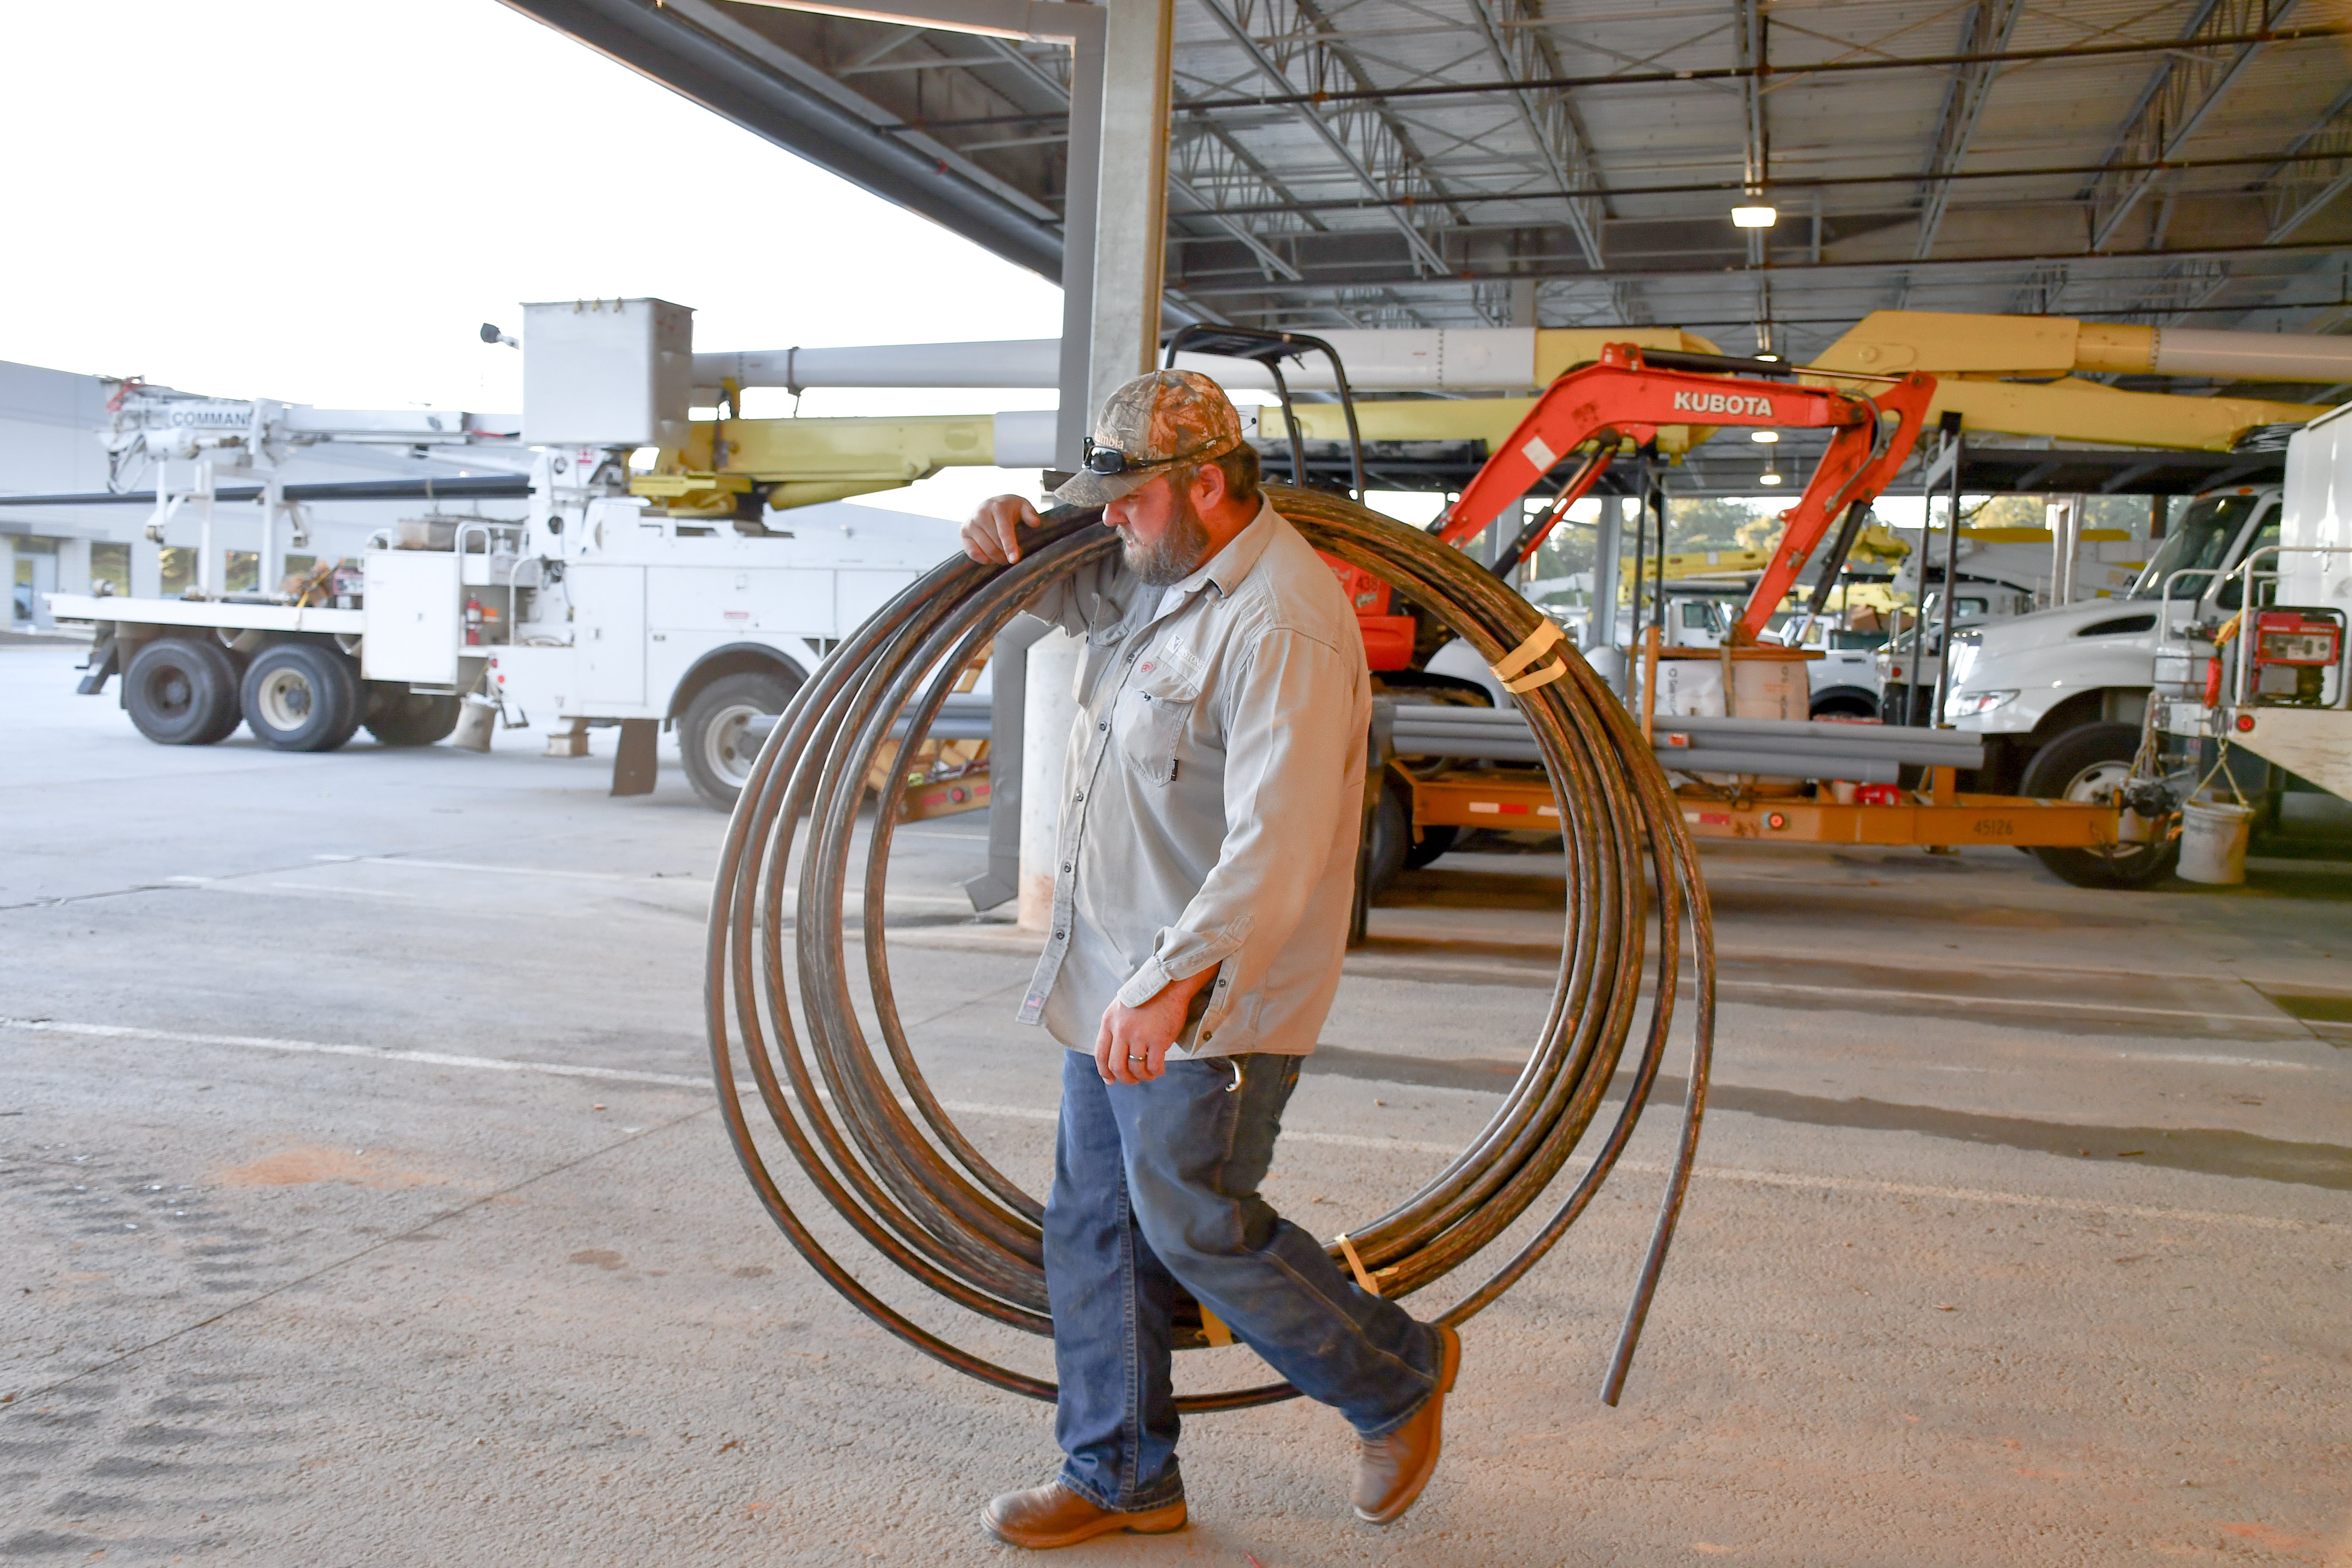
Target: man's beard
1176	554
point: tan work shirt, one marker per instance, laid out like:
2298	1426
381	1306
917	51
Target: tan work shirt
1213	797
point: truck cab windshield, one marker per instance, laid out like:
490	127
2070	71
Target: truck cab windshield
2199	542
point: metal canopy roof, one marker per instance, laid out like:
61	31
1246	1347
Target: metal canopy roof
1370	162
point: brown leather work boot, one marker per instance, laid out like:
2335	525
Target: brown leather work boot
1053	1515
1392	1470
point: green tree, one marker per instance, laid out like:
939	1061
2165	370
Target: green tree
1718	522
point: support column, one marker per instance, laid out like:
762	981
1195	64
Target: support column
2058	525
1008	711
1076	411
1130	226
1523	303
1131	202
1601	631
1048	710
2066	545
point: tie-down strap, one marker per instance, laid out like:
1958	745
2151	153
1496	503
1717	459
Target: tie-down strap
1540	641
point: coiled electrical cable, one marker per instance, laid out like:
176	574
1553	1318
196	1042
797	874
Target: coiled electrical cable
870	1134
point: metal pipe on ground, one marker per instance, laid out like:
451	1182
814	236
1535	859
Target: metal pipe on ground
1784	765
1500	736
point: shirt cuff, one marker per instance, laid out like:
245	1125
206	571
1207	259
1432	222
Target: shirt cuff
1145	984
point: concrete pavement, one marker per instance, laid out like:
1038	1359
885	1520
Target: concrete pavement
365	1203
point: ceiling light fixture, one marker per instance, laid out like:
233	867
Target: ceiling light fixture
1764	438
1755	213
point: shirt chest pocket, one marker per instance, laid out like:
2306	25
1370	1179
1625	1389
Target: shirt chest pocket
1155	713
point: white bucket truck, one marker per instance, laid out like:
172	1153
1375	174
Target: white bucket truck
594	607
2059	695
2263	673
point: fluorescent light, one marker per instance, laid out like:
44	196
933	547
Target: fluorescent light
1754	214
1765	436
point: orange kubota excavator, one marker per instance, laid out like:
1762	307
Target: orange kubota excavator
1598	411
1745	777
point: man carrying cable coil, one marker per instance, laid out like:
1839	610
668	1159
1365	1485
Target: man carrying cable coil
1203	874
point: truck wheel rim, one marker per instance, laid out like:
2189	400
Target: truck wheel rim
2102	783
724	750
283	697
2099	783
174	693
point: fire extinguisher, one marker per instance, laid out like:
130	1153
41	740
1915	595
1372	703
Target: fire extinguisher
473	622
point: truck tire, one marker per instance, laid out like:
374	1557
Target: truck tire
718	755
301	697
398	717
181	691
2091	763
1394	849
1391	836
1432	843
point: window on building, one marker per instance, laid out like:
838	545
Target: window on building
110	564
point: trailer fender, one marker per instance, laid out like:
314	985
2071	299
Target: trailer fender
1845	702
732	658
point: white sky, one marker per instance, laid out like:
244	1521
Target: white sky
323	202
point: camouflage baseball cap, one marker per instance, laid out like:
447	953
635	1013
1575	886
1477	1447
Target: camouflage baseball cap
1160	419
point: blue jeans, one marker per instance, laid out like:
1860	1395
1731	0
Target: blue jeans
1155	1187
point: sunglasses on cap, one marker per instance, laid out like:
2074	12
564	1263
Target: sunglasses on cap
1106	460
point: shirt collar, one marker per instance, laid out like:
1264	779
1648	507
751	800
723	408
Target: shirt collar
1228	566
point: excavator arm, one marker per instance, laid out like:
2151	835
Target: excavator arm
1625	397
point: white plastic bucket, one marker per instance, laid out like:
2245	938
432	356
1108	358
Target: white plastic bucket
2213	842
474	724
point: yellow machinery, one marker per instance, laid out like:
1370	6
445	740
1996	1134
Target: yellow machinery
800	462
2015	375
2009	374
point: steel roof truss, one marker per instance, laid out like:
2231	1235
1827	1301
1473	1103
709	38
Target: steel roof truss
2184	91
1986	31
2300	190
1400	156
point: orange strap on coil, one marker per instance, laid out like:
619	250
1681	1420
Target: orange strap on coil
1540	641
